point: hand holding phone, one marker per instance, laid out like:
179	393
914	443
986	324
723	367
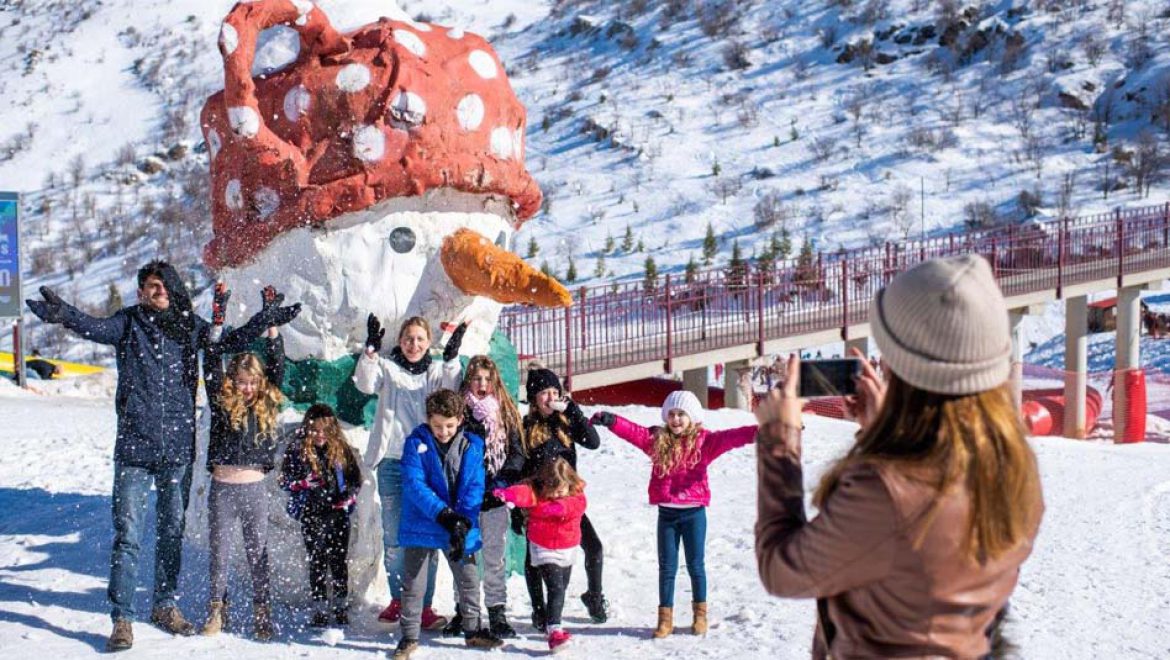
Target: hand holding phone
838	377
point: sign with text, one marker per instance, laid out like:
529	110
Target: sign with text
10	300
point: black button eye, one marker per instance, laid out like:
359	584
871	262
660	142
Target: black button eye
502	240
402	240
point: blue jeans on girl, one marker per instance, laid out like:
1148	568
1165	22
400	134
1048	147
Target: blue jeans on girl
390	491
690	527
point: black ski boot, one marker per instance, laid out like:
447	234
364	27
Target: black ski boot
539	618
454	627
498	623
597	605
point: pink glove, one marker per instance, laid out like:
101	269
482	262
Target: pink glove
505	495
345	504
308	483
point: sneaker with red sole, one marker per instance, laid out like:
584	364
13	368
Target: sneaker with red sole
392	612
558	640
432	621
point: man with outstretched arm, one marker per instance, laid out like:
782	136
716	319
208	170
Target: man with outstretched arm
157	342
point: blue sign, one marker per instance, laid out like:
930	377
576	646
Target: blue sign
10	299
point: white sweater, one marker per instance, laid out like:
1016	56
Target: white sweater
401	400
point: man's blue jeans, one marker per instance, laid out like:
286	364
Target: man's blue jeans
390	491
132	486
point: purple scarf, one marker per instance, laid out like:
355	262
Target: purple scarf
487	412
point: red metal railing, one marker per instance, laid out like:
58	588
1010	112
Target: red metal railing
629	323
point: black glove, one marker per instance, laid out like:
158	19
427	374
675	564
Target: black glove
219	301
49	310
457	527
374	333
271	300
451	350
519	521
271	311
604	418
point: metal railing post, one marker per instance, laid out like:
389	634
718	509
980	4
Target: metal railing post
1120	245
759	311
668	366
584	318
568	349
1062	239
844	300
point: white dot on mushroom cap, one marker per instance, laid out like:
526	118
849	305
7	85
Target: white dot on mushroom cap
483	64
502	142
353	78
369	144
244	120
455	33
228	38
267	201
410	41
296	103
233	196
408	108
470	112
214	142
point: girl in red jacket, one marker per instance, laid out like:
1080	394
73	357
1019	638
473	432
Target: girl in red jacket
680	452
556	498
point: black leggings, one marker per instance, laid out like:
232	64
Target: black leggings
327	542
591	544
556	581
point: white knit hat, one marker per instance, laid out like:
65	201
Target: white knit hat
684	401
942	326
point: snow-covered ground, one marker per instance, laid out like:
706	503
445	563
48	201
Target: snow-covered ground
1097	586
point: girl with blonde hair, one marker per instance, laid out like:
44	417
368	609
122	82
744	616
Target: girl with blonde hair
679	452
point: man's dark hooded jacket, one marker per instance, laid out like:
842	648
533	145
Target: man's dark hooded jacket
158	371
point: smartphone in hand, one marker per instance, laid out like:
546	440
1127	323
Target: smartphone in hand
820	378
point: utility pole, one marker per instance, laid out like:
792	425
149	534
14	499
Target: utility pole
922	203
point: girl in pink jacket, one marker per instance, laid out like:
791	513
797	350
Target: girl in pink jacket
555	497
680	452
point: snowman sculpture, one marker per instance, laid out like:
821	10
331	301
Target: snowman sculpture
381	172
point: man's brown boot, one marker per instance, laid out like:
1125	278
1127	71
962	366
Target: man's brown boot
171	620
262	621
665	622
700	625
122	638
216	617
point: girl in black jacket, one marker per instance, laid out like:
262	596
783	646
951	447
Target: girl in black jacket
244	402
553	428
322	473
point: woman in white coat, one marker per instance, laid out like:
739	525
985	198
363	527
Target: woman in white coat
402	382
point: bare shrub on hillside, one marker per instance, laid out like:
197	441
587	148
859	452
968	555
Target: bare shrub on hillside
1093	46
980	215
724	187
899	210
770	211
718	18
822	148
1147	163
736	56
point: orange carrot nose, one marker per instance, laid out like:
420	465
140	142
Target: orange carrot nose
480	268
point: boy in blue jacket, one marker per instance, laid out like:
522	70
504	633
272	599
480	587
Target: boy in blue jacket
442	489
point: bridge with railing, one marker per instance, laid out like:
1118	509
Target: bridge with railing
626	331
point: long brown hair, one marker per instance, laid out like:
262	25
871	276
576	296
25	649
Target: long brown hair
336	449
267	401
975	442
671	452
557	479
539	429
509	414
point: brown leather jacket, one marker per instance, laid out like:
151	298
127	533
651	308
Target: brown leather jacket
889	575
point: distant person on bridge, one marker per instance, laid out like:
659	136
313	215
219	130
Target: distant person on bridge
553	428
924	524
157	343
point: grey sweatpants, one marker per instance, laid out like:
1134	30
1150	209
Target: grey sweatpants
247	503
416	562
494	525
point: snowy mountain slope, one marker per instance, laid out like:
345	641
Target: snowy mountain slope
657	115
1095	587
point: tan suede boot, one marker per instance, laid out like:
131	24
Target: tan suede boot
216	618
699	627
665	622
262	621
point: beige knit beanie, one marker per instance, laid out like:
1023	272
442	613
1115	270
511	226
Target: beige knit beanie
942	326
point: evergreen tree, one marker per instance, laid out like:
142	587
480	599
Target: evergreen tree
650	279
784	249
599	269
571	274
692	270
113	300
736	273
628	240
533	248
641	246
710	246
546	269
609	243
